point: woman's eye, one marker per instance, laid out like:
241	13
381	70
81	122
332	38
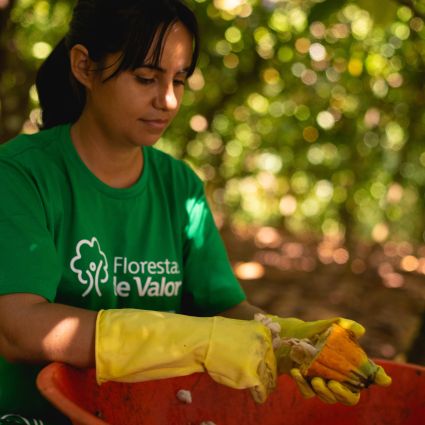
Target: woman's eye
144	80
179	82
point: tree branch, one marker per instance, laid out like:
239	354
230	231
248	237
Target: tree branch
5	13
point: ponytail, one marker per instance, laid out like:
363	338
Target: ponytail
61	97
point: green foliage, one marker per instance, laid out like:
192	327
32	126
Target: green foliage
33	27
302	114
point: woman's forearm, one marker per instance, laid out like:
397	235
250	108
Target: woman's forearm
34	330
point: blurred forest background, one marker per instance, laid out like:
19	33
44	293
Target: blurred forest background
306	120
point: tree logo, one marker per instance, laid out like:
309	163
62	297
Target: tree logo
90	265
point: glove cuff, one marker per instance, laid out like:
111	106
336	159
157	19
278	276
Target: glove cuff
221	341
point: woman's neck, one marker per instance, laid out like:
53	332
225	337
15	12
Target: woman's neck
118	165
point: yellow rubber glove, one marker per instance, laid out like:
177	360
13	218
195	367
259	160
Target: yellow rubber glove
329	391
137	345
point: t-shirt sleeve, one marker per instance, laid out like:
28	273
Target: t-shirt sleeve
209	282
28	259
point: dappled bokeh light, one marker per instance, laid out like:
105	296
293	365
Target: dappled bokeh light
318	136
392	262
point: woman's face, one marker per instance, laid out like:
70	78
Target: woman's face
135	107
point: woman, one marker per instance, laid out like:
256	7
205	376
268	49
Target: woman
101	232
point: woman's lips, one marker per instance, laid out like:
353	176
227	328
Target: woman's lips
155	124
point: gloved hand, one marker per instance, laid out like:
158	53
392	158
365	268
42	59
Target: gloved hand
138	345
329	391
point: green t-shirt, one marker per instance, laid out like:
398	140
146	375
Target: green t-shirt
70	238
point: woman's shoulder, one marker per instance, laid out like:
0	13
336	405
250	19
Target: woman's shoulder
27	147
31	157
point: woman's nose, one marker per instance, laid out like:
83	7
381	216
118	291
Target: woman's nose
166	98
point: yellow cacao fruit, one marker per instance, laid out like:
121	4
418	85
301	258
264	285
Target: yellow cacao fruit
340	357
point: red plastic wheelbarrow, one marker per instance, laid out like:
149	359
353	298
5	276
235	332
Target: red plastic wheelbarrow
75	393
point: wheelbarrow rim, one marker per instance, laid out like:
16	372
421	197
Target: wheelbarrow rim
46	384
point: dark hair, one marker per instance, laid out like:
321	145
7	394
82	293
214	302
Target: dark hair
107	26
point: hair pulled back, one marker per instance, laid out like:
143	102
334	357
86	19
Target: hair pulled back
103	27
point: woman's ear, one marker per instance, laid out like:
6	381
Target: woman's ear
81	65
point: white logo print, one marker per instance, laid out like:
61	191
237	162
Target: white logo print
90	265
17	419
